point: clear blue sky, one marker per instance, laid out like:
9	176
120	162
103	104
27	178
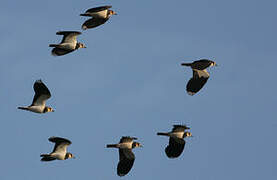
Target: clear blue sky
129	82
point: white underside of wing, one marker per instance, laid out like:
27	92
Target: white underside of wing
41	100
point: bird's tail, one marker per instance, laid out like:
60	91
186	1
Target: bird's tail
162	134
112	145
23	108
85	14
46	157
186	64
53	45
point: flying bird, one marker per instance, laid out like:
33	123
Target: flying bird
126	156
176	140
60	150
200	75
69	43
42	93
99	15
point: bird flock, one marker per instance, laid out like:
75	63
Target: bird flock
69	43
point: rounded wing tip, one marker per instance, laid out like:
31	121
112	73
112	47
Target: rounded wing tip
51	138
84	27
54	54
191	93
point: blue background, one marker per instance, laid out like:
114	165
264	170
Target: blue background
128	81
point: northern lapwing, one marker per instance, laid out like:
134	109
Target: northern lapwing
69	43
60	150
42	93
176	140
126	156
200	75
99	15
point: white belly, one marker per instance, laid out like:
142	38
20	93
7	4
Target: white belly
59	156
177	134
126	145
36	109
101	14
68	46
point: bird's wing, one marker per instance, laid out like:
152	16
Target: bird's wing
42	93
98	9
201	64
60	52
199	79
175	147
69	36
178	128
126	161
126	139
93	22
60	144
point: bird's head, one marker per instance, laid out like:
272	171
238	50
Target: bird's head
111	12
187	134
48	109
213	63
80	45
69	155
136	144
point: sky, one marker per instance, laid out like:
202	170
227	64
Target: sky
128	81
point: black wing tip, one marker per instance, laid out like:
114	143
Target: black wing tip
99	7
181	125
38	81
172	153
68	32
55	139
191	93
131	137
124	167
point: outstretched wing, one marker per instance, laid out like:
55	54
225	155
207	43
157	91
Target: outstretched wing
178	128
126	161
201	64
98	9
60	144
175	147
93	22
69	36
199	79
42	93
60	51
127	139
